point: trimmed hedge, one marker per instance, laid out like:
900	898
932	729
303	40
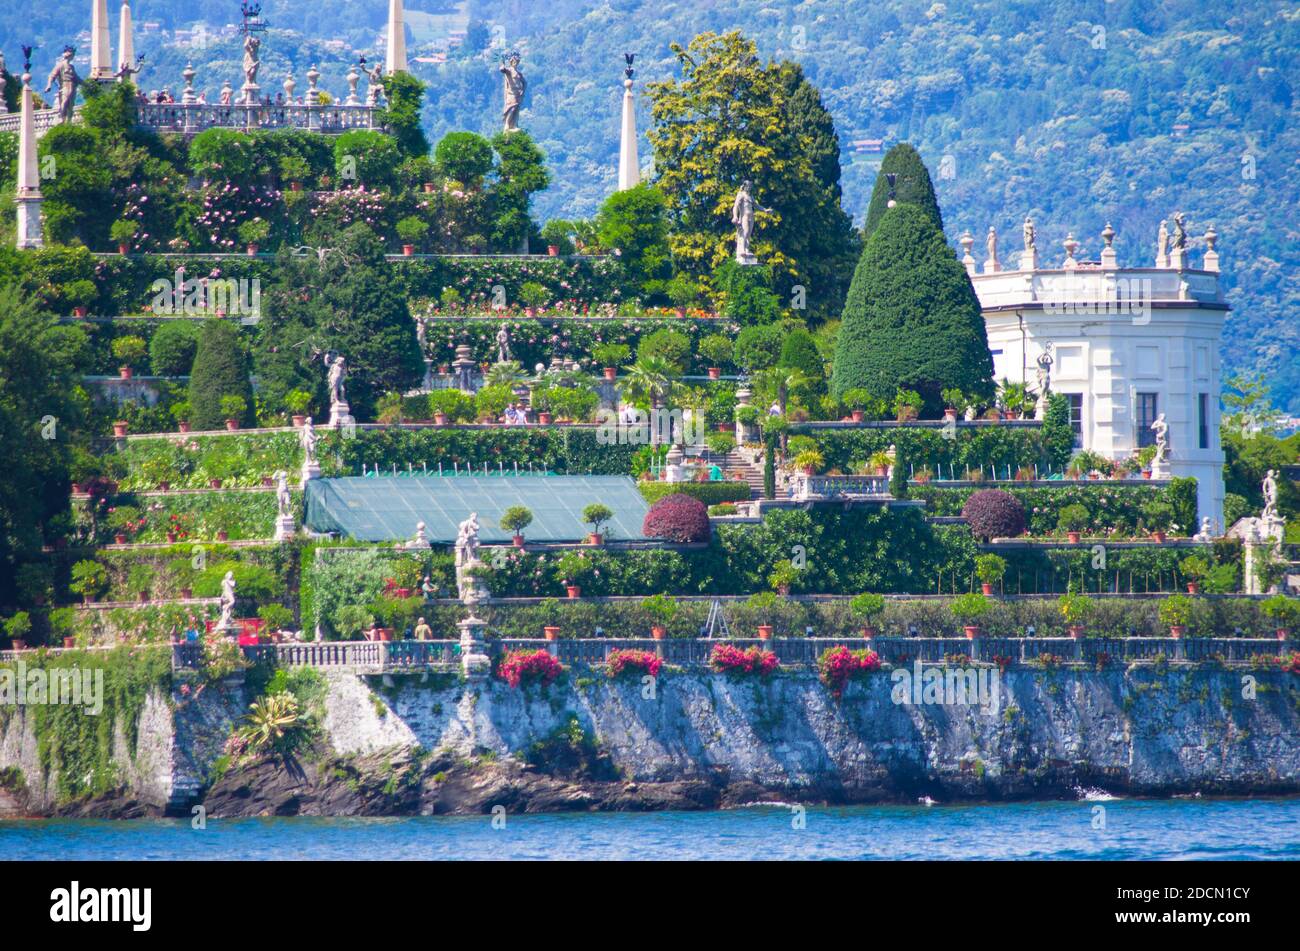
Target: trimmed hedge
710	493
927	447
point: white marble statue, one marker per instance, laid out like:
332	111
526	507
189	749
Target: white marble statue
991	242
338	369
514	84
1206	534
503	345
251	62
1269	487
1162	243
1161	428
467	543
742	216
307	439
282	499
1028	232
227	619
65	73
1044	376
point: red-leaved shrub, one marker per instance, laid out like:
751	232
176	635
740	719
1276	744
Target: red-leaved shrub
992	513
526	667
730	659
677	518
621	661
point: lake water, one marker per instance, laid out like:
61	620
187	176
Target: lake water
1133	829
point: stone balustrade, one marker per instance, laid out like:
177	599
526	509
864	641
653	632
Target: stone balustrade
194	117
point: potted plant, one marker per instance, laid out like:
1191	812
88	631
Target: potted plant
1014	397
989	569
515	519
181	411
129	351
867	607
119	428
763	604
596	515
89	579
782	577
63	625
953	400
275	618
123	522
660	609
1284	611
18	627
1075	609
610	356
717	350
857	399
412	231
880	462
354	621
293	169
810	461
683	292
140	579
253	233
1073	519
80	294
1158	515
1176	611
233	408
296	403
122	232
573	568
1145	456
1194	569
550	612
968	609
907	404
534	296
556	234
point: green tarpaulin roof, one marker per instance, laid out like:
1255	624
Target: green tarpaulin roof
386	508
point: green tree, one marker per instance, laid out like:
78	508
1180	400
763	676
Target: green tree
347	303
799	352
1058	437
405	95
464	157
911	319
912	186
79	203
367	157
220	369
635	223
729	119
520	171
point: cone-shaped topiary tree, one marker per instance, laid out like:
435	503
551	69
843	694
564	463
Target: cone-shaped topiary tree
912	319
220	369
912	186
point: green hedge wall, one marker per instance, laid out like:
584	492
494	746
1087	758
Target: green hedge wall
710	493
919	447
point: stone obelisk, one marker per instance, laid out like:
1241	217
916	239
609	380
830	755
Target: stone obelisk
101	51
28	197
395	54
126	43
629	171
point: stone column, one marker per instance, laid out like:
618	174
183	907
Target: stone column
474	660
126	43
629	172
395	53
101	51
28	197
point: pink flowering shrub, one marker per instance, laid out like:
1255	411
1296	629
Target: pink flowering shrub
622	661
730	659
520	667
677	518
838	665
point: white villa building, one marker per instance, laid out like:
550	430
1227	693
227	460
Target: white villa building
1127	344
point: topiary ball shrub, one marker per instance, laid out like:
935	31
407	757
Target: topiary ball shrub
677	518
992	513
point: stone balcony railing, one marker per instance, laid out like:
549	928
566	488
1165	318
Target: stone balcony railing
192	118
812	487
44	119
1116	288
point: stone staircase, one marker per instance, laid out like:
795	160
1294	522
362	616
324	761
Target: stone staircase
734	461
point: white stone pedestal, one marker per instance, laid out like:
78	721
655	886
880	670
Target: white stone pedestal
1029	260
284	528
340	415
310	470
474	660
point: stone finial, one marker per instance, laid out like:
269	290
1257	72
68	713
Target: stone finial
313	94
188	74
1108	256
1071	246
290	84
1108	235
1211	255
967	242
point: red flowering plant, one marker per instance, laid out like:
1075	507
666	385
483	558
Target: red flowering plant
1290	663
838	665
730	659
621	661
529	667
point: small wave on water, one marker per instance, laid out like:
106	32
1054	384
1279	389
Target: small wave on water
926	801
1092	794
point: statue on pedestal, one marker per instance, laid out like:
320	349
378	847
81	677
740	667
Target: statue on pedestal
338	369
283	502
1180	231
251	63
1028	232
1044	374
1206	534
991	243
742	216
1269	487
467	543
1162	244
514	85
503	345
227	620
65	73
307	439
375	83
1161	428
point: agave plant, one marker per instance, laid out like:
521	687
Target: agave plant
272	723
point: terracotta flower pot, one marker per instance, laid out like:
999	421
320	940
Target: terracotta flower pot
764	632
69	642
232	424
552	632
119	538
164	486
171	536
428	187
611	373
222	535
1159	537
440	419
214	483
295	186
119	428
144	597
385	634
182	427
123	248
544	418
267	481
408	250
1193	587
868	632
715	373
19	645
1176	631
1281	633
1075	630
972	631
518	540
124	372
186	593
298	420
986	588
1073	537
595	539
858	415
658	632
80	311
76	488
251	249
573	590
553	250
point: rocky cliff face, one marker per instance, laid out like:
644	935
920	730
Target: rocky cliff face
434	744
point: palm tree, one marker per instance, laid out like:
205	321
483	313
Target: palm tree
650	381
